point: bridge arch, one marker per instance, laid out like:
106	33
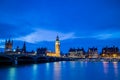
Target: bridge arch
42	59
25	59
4	60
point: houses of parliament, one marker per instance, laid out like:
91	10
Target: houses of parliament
40	51
107	52
9	48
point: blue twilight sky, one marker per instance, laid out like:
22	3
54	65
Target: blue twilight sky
79	23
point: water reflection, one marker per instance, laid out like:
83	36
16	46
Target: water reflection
71	70
35	67
57	70
72	64
115	65
12	73
47	66
83	64
35	70
48	69
105	66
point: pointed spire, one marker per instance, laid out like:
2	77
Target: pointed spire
57	38
24	47
9	40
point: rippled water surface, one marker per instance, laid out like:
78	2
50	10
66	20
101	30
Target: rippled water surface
71	70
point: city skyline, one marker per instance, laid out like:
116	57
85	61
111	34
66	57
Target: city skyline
83	23
9	46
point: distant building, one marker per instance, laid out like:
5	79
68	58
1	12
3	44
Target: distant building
93	53
24	48
21	50
112	52
30	53
8	46
41	51
77	53
57	49
18	50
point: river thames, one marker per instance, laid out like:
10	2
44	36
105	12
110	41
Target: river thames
64	70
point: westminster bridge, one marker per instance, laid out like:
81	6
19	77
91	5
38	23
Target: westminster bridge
27	59
6	59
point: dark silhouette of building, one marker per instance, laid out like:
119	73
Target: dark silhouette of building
41	51
24	51
24	48
18	50
21	50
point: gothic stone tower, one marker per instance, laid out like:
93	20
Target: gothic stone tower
57	47
8	46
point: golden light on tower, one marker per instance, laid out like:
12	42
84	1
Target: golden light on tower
57	49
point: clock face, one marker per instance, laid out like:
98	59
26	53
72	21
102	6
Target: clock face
57	42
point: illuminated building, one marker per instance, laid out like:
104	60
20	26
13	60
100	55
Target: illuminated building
8	46
93	53
110	52
77	53
57	49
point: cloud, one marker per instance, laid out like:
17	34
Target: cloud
102	36
2	42
12	30
45	35
108	35
2	46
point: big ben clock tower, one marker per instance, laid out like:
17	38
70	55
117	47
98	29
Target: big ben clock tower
57	47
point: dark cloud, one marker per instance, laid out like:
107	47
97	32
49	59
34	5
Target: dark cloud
9	30
78	16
